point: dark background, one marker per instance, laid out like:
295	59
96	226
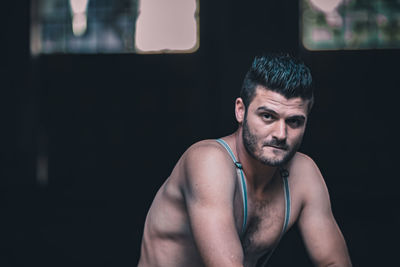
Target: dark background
113	127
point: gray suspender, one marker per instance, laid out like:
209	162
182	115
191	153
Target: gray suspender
242	181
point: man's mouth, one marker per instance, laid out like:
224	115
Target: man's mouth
278	147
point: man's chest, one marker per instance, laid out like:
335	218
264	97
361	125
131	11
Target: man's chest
265	225
267	217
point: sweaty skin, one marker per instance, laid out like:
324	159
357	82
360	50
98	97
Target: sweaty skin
197	214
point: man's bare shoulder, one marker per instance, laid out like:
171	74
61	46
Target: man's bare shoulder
206	152
306	180
302	163
208	163
304	172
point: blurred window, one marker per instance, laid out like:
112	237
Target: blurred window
350	24
114	26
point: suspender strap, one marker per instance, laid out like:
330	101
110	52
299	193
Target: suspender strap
284	175
242	180
224	144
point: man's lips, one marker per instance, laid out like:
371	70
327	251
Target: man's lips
278	147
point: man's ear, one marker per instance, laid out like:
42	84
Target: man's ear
240	110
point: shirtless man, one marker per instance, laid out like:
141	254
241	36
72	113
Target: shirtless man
228	202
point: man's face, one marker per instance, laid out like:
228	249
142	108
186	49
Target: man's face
273	126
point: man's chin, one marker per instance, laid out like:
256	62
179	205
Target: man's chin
273	162
277	159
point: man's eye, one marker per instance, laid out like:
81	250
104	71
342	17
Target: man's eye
267	116
294	123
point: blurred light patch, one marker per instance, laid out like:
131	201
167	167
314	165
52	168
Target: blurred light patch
350	24
167	26
78	6
79	17
42	166
326	6
79	24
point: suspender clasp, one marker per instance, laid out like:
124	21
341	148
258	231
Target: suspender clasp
284	173
238	165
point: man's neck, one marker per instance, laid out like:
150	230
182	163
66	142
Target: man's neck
258	175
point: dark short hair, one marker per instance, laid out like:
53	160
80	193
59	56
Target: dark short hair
280	73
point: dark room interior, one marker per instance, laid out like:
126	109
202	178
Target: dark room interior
111	127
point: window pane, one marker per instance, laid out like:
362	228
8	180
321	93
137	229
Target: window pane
109	26
350	24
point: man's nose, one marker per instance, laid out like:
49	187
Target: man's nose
280	130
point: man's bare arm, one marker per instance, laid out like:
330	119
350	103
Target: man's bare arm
321	234
209	191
